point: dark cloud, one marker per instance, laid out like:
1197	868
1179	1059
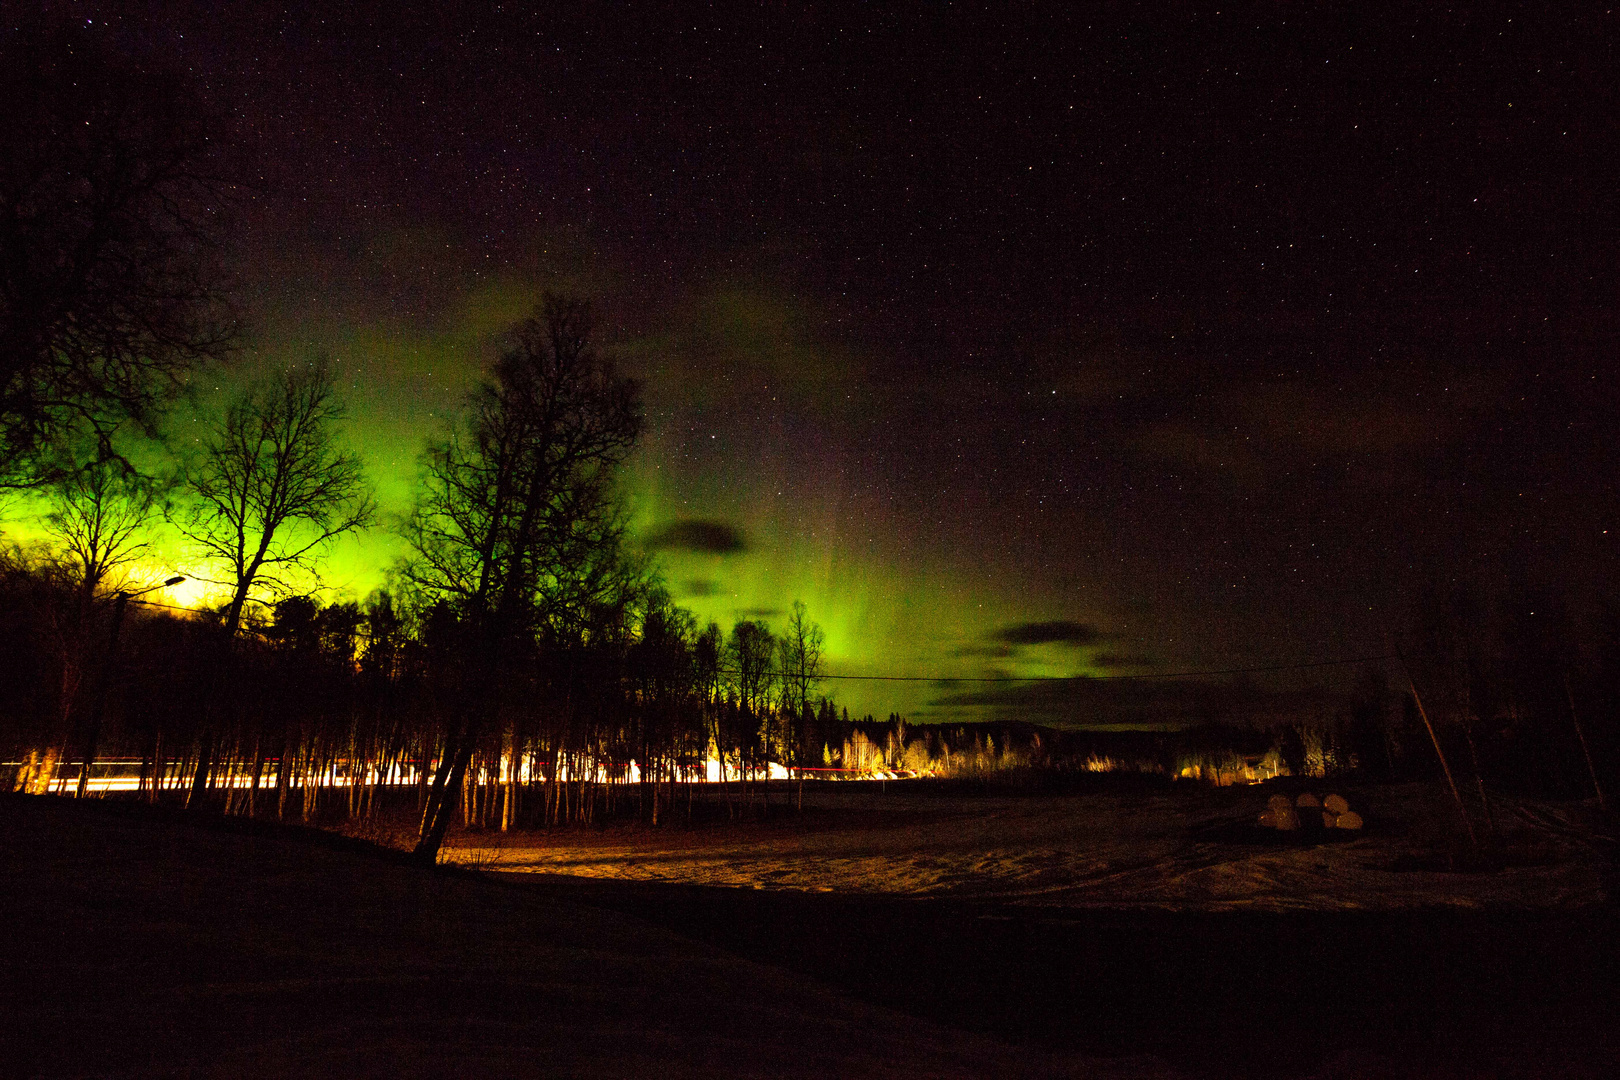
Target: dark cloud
1061	631
692	534
757	613
699	587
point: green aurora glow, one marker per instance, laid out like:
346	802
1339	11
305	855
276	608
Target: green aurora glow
733	382
1130	371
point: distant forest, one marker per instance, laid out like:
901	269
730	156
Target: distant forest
356	712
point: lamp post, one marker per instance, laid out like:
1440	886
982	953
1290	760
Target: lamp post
93	734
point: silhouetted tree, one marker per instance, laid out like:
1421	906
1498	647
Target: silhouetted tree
109	201
663	675
516	524
273	487
100	516
97	517
271	490
799	658
751	652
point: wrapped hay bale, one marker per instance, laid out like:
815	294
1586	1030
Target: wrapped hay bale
1335	804
1347	820
1307	801
1280	814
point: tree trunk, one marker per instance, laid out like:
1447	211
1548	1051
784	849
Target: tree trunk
258	771
436	815
282	779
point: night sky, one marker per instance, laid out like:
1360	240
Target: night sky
1073	341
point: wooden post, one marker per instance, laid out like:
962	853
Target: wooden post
1441	754
1570	694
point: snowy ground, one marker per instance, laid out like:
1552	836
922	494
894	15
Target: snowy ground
1182	848
152	944
882	935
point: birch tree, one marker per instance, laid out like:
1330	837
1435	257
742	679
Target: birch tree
273	487
799	658
516	525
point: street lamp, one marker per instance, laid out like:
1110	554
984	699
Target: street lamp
120	599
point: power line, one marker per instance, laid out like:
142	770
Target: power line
1085	678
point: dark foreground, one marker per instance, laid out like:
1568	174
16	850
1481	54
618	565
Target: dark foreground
140	943
1426	993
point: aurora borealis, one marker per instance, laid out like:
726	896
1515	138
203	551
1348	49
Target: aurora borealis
740	519
1049	344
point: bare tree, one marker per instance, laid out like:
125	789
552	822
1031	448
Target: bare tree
799	658
108	206
516	524
273	487
750	650
271	490
99	516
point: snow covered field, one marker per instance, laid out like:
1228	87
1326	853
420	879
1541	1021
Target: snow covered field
880	934
1186	847
143	943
